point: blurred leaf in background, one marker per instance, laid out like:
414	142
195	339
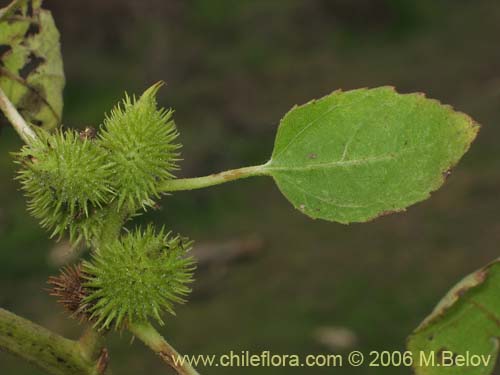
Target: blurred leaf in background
31	67
465	323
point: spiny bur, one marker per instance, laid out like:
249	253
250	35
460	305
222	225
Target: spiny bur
66	178
140	140
137	277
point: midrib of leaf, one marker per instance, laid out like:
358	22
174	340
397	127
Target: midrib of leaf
269	166
334	164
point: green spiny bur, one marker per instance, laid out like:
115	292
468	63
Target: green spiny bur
137	277
139	138
73	183
65	178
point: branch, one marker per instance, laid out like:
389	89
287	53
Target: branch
152	339
43	348
91	343
213	179
23	129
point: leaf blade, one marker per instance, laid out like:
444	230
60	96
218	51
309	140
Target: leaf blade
352	156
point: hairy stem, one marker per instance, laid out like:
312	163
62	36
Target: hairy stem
23	129
114	220
45	349
213	179
91	343
151	338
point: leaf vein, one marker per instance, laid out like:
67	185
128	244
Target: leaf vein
335	164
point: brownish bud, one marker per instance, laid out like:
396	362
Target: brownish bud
70	292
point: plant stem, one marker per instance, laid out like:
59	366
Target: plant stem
213	179
113	222
23	129
92	348
91	343
151	338
45	349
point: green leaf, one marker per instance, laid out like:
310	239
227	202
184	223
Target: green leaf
31	68
465	323
356	155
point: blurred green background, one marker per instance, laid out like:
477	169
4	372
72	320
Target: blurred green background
233	68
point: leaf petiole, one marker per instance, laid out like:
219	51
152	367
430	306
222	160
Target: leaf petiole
213	179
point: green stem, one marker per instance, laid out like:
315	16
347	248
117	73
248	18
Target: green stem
43	348
114	220
213	179
23	129
91	343
152	339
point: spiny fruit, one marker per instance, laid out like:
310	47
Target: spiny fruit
65	178
136	277
74	180
139	138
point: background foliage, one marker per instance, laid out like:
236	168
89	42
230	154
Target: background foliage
232	69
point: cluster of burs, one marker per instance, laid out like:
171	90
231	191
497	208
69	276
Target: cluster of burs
88	185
